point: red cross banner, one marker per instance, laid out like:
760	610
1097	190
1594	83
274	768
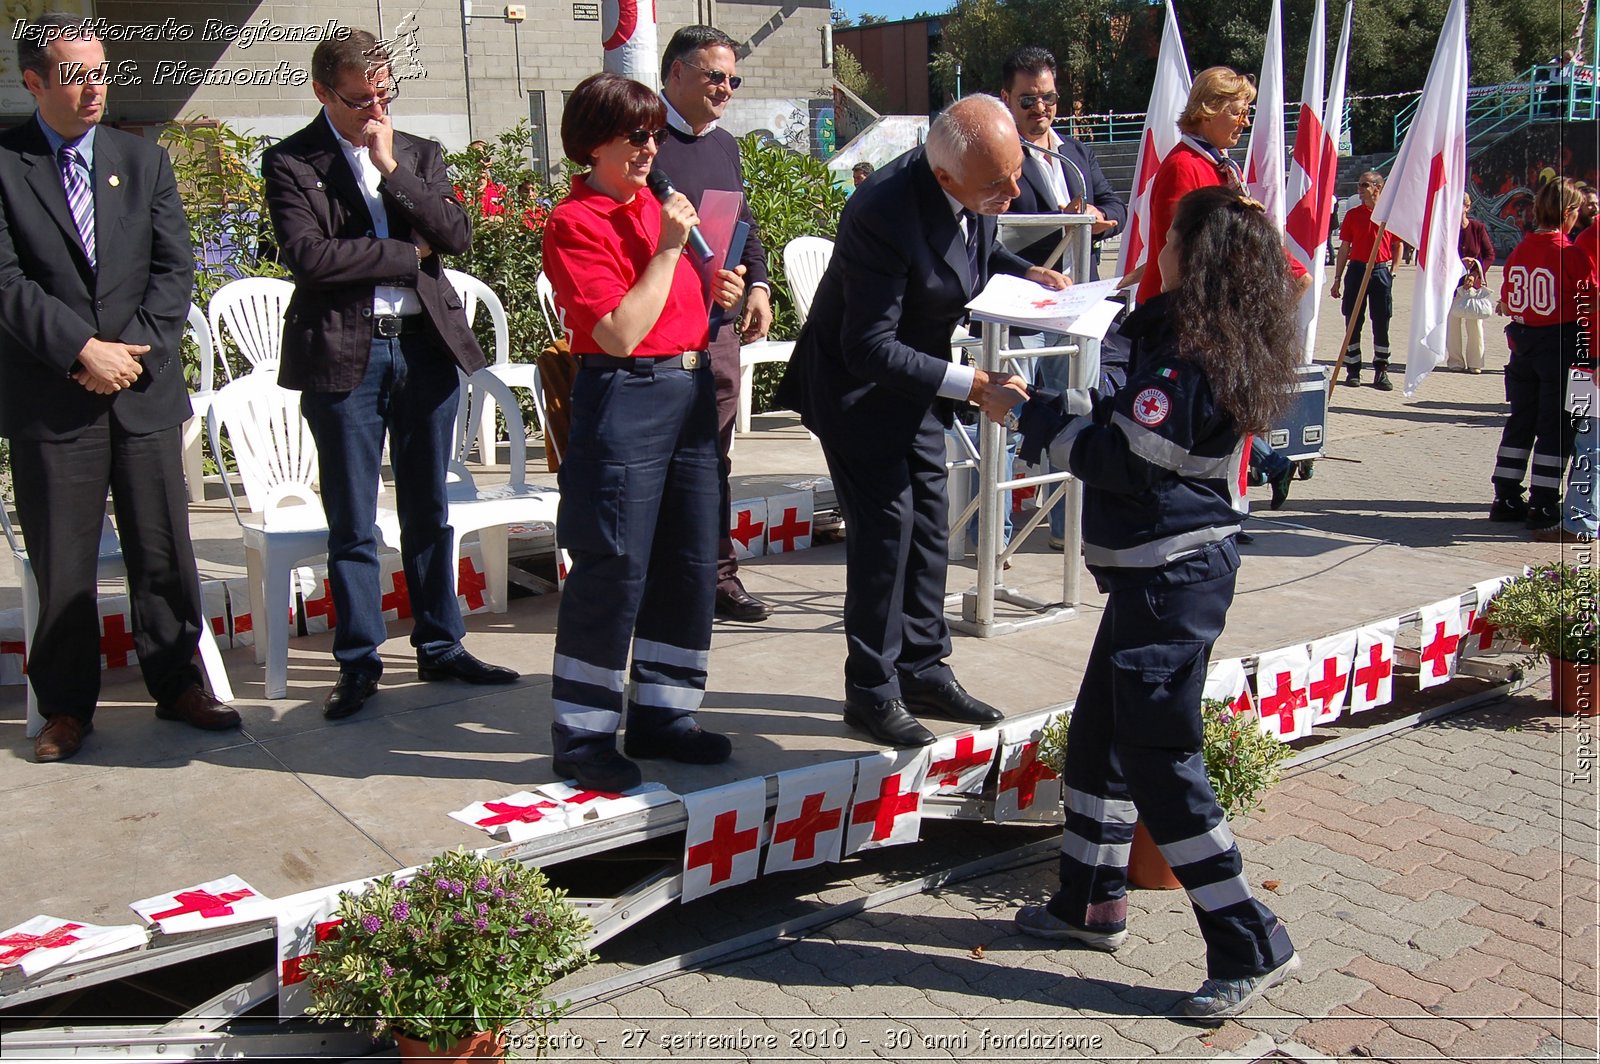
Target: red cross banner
789	522
516	817
43	942
1282	698
116	632
241	624
395	596
1028	788
747	527
887	807
1372	676
1441	642
1478	636
304	920
12	647
214	602
808	826
583	805
1228	681
958	764
229	900
472	584
722	845
1329	681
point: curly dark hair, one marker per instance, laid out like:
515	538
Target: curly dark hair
1234	307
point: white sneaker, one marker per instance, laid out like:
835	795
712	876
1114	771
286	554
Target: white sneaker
1057	542
1040	922
1223	999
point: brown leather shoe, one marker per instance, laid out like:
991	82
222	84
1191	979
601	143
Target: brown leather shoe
62	736
198	709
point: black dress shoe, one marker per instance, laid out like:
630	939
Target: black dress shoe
737	604
949	701
468	669
349	694
692	745
888	722
607	771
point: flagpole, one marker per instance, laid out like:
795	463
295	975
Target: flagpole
1354	319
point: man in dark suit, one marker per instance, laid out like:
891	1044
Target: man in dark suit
95	275
872	377
372	338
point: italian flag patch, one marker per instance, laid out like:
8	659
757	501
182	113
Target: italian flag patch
1168	372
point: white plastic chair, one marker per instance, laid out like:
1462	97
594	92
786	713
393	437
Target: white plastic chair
547	304
805	259
199	406
109	567
252	309
474	292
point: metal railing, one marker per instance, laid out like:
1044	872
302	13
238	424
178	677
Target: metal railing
1545	93
1122	128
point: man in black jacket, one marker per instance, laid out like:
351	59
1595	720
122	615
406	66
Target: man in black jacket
373	337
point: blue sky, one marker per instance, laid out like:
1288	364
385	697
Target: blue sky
893	9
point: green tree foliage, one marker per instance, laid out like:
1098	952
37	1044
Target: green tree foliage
848	71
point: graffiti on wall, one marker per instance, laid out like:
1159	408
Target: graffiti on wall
1506	177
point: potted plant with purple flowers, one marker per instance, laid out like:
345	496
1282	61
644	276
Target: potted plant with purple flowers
445	960
1552	609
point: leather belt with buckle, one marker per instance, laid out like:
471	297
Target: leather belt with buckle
690	360
388	326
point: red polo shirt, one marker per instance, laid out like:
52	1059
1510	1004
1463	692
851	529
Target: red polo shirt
1540	280
1357	230
594	250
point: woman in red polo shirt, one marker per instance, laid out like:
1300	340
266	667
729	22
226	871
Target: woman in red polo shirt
639	487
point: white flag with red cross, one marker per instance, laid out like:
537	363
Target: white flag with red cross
1422	202
1331	660
1263	161
516	817
958	764
394	596
1228	681
218	903
747	528
886	809
722	846
1372	676
1440	642
116	632
1028	789
582	804
1281	696
472	584
789	520
808	826
1168	96
305	921
1478	636
43	942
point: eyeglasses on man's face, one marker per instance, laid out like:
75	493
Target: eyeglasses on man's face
716	77
639	136
390	91
1034	100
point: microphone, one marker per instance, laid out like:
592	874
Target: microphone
661	185
1083	181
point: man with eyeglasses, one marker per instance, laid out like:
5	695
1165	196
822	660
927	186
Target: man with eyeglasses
1359	251
372	339
698	81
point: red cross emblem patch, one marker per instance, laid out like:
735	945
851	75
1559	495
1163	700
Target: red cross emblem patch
1151	407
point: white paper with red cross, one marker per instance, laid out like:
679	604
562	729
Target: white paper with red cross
1282	700
958	764
789	522
747	527
1478	636
808	825
1228	681
1028	788
39	944
722	846
1372	672
581	804
217	903
887	807
1329	681
304	921
1440	642
517	817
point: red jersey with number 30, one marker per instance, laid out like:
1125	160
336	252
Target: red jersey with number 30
1541	278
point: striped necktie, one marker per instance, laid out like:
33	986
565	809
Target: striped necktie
80	200
971	221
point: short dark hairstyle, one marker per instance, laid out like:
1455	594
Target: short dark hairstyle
33	45
1031	60
863	167
358	51
691	39
605	106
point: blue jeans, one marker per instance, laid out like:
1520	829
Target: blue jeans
408	392
1264	460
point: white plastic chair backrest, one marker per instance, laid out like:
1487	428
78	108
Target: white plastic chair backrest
538	407
252	309
476	390
273	449
805	260
208	350
547	304
110	545
474	291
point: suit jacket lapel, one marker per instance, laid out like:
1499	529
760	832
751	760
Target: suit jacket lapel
405	159
110	190
941	229
44	176
1033	176
335	169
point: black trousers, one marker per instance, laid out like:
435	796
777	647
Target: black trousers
1537	423
61	499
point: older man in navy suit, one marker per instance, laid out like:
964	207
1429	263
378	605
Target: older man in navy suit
873	378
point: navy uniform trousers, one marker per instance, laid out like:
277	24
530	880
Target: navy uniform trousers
1133	752
1379	302
1537	422
638	516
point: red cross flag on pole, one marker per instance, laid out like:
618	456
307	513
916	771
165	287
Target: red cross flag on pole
1372	677
516	817
628	40
722	846
1422	201
43	942
218	903
1282	697
808	826
1229	682
1263	163
958	764
1478	636
1168	96
304	921
1441	642
1329	680
1028	788
887	807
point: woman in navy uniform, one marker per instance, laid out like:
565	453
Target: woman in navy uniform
639	495
1214	357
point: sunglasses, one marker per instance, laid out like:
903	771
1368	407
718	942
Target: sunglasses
1030	102
639	136
716	77
382	101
